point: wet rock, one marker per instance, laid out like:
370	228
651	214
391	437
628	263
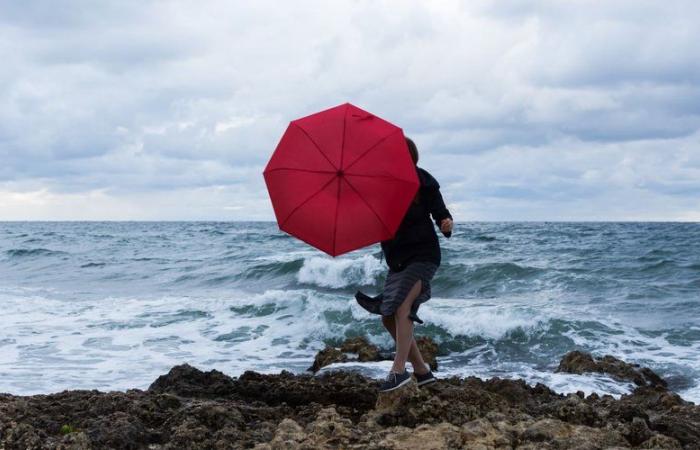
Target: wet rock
187	381
365	351
288	435
182	410
681	423
581	362
550	434
395	400
575	410
429	350
118	430
75	441
336	388
326	357
330	429
659	441
424	437
638	431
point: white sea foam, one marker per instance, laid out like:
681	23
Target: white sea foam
471	318
49	344
120	343
340	272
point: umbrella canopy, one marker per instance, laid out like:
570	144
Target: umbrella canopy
341	179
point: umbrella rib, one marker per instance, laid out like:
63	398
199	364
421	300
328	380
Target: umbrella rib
316	145
371	148
306	201
369	206
390	177
299	170
337	200
335	223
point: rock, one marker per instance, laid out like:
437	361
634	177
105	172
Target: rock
188	381
681	423
118	430
396	399
345	389
369	352
551	433
429	350
581	362
75	441
659	441
424	437
191	409
330	429
327	356
288	435
575	410
365	351
638	431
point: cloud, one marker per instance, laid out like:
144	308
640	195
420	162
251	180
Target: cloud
523	110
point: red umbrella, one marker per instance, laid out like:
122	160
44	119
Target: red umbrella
341	179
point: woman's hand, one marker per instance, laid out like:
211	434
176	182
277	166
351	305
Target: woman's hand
446	225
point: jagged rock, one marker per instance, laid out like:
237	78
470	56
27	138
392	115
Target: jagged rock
330	430
424	437
551	433
659	441
182	410
581	362
428	350
288	435
396	399
365	351
680	423
75	441
327	356
369	352
188	381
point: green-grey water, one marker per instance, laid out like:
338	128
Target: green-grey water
112	305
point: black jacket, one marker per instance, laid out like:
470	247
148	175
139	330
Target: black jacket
415	239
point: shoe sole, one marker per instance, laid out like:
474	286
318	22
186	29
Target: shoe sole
423	383
398	385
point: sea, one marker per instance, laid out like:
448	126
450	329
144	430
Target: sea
113	305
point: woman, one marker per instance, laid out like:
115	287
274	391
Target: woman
413	256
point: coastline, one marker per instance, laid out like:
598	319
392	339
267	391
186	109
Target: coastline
191	408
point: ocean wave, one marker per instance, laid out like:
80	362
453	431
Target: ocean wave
456	278
340	272
32	252
660	266
273	269
502	271
484	238
475	319
92	264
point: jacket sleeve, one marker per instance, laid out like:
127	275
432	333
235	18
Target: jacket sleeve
437	207
435	203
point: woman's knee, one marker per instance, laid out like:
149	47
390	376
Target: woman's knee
411	297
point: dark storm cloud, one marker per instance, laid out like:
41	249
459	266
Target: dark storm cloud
523	110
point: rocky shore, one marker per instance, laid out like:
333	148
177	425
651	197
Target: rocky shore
192	409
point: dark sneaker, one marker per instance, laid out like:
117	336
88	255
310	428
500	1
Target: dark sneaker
371	304
426	378
395	380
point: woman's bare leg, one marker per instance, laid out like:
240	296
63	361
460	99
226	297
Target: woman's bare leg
414	355
404	329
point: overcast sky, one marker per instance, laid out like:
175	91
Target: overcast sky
523	110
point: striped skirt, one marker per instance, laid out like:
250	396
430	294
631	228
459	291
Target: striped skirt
398	285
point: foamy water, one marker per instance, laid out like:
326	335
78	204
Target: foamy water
112	306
